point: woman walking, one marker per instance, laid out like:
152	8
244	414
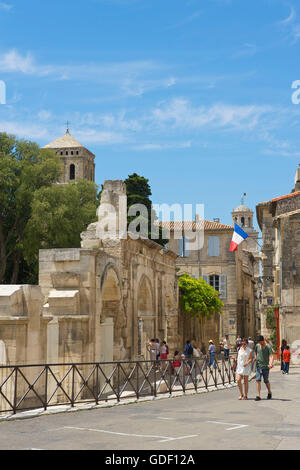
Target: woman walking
244	360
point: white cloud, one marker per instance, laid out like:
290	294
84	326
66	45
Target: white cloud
179	113
44	115
132	78
290	18
291	26
186	20
282	153
12	61
245	50
162	146
5	6
24	130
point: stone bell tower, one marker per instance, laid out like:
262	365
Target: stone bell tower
77	161
243	216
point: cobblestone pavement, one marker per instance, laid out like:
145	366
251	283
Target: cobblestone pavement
216	420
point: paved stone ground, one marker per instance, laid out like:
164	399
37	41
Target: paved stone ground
215	420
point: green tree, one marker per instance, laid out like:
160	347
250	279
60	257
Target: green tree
24	169
59	214
138	192
34	211
198	299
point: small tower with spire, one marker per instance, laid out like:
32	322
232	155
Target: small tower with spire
77	160
243	216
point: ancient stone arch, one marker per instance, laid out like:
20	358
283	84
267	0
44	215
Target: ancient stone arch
146	314
112	308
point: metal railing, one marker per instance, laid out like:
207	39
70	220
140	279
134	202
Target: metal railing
27	387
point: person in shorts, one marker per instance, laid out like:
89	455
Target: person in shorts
264	362
243	369
286	359
226	345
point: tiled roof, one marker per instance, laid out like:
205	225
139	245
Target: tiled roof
296	193
191	225
276	199
66	141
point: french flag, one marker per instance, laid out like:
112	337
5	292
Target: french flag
238	237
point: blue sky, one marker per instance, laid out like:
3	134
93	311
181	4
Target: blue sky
193	94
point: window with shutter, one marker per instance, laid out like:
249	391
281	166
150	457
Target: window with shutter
186	247
223	286
181	247
214	281
213	246
205	278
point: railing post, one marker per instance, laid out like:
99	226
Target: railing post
223	371
118	384
97	383
183	376
46	388
216	369
15	391
154	390
137	380
73	385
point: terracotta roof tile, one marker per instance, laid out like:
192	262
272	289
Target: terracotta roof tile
191	225
297	193
276	199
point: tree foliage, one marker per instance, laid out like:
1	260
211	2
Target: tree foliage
197	298
24	169
34	211
138	192
59	214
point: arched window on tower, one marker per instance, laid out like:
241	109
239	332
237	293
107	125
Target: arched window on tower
249	221
72	171
243	221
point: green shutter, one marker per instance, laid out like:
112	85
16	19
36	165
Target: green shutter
223	286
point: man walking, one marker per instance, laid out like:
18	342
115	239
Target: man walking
212	354
264	362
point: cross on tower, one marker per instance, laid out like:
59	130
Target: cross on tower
67	124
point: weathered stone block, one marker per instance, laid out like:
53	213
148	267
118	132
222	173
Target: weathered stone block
63	302
11	300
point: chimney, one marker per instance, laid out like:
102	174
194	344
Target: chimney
297	179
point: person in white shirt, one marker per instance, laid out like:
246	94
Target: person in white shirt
243	368
226	345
